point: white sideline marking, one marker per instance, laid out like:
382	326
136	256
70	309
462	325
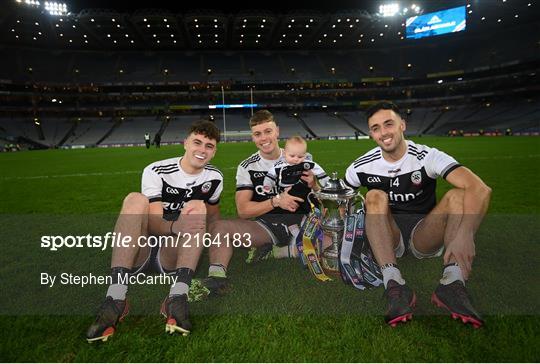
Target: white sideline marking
73	175
140	172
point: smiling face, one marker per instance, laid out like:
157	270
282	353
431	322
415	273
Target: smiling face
265	136
386	128
199	151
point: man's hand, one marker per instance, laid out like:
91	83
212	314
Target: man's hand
189	224
191	220
287	202
309	178
462	250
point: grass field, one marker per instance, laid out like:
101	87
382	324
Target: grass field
277	311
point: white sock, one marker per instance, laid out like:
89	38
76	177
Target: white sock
217	270
392	272
288	251
281	252
117	291
451	273
179	288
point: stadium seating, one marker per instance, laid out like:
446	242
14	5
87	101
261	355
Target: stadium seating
57	66
325	124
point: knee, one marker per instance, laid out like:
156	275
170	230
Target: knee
220	227
194	207
135	203
376	201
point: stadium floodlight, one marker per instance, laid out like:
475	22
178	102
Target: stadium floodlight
28	2
56	9
390	9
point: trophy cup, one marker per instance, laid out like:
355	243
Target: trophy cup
336	199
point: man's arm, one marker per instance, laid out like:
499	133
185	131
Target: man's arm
476	199
248	209
270	179
477	194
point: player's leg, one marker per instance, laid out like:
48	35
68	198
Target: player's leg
429	238
133	222
383	233
226	234
219	254
386	243
262	237
439	227
244	233
183	260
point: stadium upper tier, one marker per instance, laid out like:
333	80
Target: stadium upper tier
412	61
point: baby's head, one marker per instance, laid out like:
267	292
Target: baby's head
295	150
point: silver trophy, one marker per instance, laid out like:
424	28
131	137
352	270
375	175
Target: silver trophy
336	199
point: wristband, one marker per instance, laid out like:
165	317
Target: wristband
277	197
388	265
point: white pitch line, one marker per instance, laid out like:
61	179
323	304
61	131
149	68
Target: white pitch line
227	168
73	175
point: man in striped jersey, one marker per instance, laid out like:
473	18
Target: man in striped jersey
287	172
267	217
179	197
402	213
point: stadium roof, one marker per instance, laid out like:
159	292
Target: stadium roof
183	25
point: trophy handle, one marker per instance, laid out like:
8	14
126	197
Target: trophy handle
310	198
353	202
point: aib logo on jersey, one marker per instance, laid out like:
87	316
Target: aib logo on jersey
416	178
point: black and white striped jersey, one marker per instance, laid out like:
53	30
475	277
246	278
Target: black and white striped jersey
410	182
250	175
165	181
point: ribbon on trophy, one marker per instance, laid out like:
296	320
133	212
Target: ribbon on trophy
309	237
359	267
348	273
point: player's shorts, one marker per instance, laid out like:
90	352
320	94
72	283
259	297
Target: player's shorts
282	228
407	224
152	264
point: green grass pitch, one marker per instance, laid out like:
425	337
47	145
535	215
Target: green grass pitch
276	311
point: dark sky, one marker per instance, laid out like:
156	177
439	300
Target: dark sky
228	6
231	6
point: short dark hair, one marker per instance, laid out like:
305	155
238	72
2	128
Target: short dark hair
261	117
206	128
382	105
